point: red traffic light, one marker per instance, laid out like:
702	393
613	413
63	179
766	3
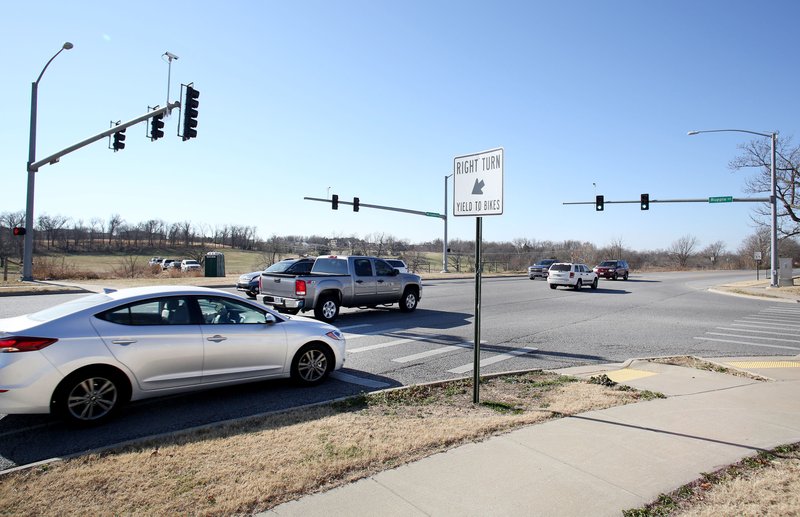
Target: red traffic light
18	231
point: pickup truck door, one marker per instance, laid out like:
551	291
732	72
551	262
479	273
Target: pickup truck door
364	283
388	282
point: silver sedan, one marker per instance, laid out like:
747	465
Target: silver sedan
85	358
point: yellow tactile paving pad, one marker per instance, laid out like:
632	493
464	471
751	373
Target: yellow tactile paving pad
764	364
628	374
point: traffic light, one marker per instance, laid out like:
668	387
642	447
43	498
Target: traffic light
18	231
119	141
599	203
335	202
356	201
645	201
190	105
157	127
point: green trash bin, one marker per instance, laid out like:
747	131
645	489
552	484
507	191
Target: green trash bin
215	264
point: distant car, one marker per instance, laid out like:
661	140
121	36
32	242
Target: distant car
170	263
540	268
612	269
190	265
249	282
85	358
571	275
398	265
155	261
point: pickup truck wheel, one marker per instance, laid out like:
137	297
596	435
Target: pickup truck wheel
251	294
409	301
327	309
594	283
311	364
553	286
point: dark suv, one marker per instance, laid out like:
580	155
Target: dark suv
612	269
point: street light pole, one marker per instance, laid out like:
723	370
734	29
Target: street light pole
444	244
773	197
27	262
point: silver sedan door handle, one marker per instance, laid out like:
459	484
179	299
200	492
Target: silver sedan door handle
217	338
123	341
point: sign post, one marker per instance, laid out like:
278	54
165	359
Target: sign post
478	192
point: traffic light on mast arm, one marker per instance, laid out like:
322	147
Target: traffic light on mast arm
645	201
335	202
18	231
119	141
190	105
356	201
599	203
157	127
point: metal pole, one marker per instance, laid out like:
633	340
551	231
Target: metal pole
27	252
476	378
444	245
774	230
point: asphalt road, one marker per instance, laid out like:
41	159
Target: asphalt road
524	325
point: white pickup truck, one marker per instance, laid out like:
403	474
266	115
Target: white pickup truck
341	281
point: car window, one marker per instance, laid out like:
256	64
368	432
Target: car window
363	267
608	263
160	311
330	266
301	267
382	268
560	267
218	310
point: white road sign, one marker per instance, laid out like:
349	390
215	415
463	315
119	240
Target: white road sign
478	184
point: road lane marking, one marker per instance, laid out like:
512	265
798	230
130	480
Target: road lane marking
761	332
429	353
746	337
766	326
384	345
349	336
361	381
748	343
495	359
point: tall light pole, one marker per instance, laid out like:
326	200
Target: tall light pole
773	197
444	244
27	259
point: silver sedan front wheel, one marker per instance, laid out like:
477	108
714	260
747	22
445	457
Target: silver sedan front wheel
311	365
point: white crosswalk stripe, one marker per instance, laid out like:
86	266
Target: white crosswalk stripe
759	329
494	359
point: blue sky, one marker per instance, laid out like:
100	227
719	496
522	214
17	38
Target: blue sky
374	99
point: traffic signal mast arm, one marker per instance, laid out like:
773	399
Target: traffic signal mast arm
637	201
361	204
54	158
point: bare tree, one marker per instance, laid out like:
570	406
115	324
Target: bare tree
682	250
114	222
713	251
758	153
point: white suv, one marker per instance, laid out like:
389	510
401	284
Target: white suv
190	265
571	275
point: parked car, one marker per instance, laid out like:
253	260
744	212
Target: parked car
612	269
155	261
85	358
170	263
190	265
571	275
540	268
398	265
250	283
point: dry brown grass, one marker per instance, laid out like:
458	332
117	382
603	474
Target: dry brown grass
255	465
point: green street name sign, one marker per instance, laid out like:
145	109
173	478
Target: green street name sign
432	214
721	199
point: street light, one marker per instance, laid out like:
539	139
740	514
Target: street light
27	262
773	201
444	244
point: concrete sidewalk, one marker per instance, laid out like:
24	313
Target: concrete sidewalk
596	463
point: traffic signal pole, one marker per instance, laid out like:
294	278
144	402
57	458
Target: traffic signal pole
381	207
699	200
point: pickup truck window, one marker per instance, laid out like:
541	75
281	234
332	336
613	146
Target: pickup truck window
382	268
330	266
363	267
